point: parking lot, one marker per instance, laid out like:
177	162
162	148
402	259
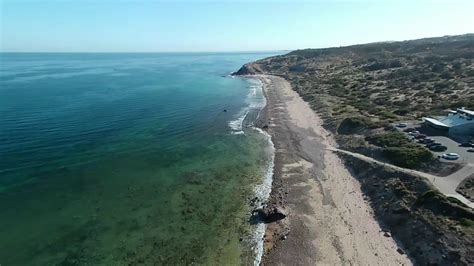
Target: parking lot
449	184
453	146
443	139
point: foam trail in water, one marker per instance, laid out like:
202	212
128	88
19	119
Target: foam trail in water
237	124
262	192
255	102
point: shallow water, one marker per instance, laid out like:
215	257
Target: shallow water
127	158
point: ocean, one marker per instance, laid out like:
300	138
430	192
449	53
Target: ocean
118	159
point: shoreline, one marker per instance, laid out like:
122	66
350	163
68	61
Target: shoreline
328	221
253	120
262	190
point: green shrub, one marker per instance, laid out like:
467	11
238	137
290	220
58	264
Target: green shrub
386	114
410	156
401	111
466	222
389	139
400	151
428	196
354	124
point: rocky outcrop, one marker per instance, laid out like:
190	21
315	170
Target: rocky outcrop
270	214
249	69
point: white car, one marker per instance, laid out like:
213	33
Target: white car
470	150
450	156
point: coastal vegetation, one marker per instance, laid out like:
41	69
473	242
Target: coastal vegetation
434	229
360	91
401	151
361	88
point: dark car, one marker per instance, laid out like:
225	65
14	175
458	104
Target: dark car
420	136
433	144
466	144
438	148
426	141
410	129
401	125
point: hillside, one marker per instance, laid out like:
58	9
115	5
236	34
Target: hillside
385	81
360	91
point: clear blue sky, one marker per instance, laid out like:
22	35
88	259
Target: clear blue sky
164	26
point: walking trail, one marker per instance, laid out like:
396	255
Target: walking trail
446	185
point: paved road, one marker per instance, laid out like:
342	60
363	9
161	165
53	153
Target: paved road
446	185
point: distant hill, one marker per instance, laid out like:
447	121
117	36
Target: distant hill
385	81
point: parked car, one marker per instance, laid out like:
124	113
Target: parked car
414	133
420	136
433	144
470	150
450	156
410	129
467	144
438	148
426	141
402	125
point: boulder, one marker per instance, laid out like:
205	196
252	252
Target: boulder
270	214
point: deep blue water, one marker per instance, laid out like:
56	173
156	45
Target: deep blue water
126	158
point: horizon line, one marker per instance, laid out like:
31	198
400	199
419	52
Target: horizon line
144	52
237	51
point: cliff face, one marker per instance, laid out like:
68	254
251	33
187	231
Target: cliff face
249	69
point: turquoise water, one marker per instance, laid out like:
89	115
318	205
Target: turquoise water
127	158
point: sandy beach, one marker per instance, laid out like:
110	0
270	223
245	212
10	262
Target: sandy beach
329	222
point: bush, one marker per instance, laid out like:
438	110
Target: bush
401	111
400	151
390	139
352	125
383	65
410	156
428	196
446	75
386	114
466	222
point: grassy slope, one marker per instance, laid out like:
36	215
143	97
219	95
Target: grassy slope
385	81
359	90
364	87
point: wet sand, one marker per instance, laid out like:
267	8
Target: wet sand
329	222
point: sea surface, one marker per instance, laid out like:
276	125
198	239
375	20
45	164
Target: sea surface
119	159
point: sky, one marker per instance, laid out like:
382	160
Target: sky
226	25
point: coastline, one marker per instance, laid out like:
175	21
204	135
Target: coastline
329	221
253	117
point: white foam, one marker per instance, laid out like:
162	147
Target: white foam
237	124
262	192
254	100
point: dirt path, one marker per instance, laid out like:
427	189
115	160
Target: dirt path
330	222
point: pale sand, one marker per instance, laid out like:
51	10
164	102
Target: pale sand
329	221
